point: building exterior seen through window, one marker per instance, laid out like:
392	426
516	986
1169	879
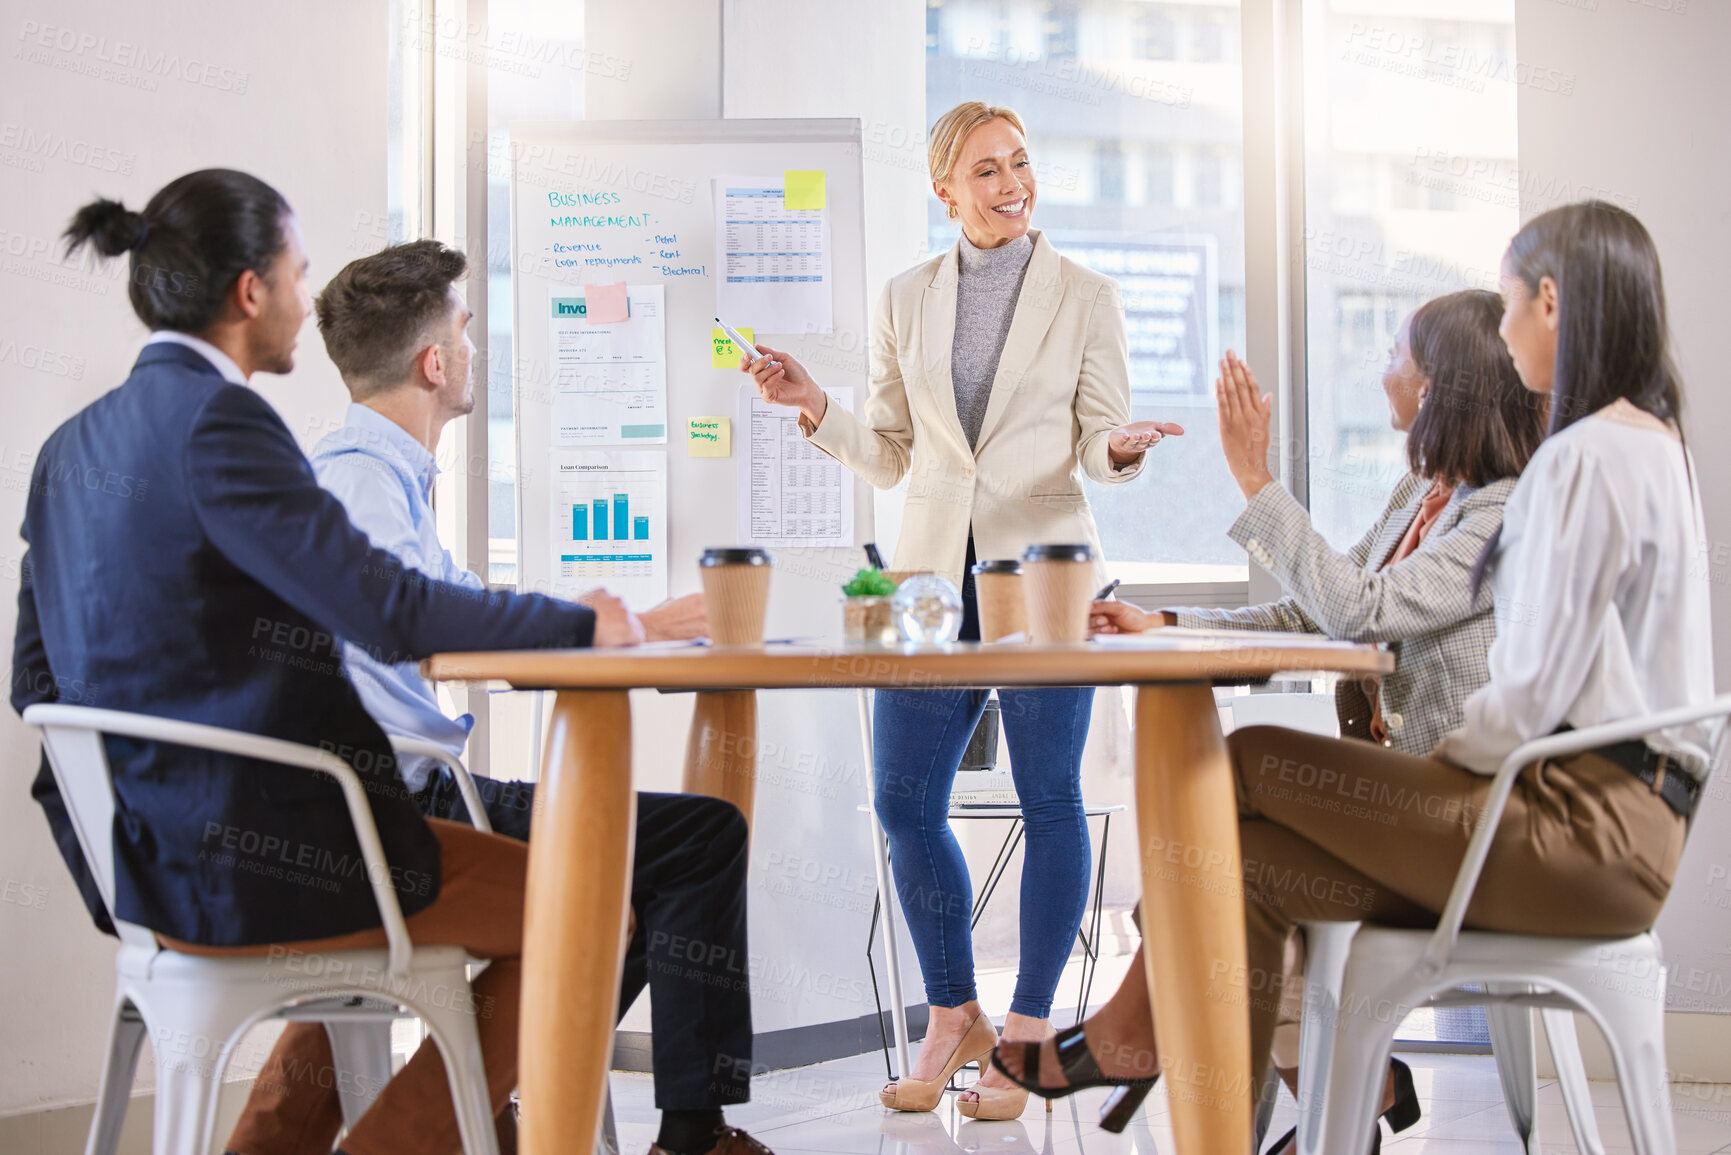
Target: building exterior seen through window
1411	191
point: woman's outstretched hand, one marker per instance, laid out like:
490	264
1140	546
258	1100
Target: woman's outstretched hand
1245	416
781	380
1128	442
1111	617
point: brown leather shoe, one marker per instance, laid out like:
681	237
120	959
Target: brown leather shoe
728	1141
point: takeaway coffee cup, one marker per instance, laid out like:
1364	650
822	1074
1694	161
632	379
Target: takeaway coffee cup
998	590
1058	580
736	594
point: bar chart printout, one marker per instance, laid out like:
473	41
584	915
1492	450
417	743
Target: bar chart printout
609	524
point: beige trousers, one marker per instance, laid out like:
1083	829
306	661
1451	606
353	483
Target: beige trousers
1335	829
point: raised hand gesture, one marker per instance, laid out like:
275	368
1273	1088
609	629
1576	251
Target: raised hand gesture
1245	416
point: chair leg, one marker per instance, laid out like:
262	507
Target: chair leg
453	1029
361	1054
1326	947
125	1037
1633	1022
607	1143
1265	1105
1511	1029
187	1085
1572	1079
1358	1069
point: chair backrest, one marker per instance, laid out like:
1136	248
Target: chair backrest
1538	750
72	737
81	772
1311	713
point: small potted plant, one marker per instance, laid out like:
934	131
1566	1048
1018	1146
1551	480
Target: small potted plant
866	616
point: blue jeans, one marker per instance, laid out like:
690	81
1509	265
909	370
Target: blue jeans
919	737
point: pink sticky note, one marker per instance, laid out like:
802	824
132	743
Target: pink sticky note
605	303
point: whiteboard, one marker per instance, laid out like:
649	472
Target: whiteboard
645	190
811	763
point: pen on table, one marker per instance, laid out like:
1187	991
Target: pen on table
1106	590
740	342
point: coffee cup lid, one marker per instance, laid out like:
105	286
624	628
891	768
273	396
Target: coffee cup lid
1008	565
1069	552
736	555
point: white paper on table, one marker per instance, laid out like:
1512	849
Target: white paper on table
609	523
791	492
609	380
1183	638
772	262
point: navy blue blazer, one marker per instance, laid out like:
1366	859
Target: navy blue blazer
183	562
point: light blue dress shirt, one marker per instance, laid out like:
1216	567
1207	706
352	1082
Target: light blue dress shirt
384	478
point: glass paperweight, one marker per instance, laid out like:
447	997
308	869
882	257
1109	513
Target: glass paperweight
928	609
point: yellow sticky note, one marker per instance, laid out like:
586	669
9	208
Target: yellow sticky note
802	189
722	353
709	437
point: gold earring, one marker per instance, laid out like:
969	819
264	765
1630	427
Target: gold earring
953	212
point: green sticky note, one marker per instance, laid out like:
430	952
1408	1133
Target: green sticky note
802	189
722	353
709	437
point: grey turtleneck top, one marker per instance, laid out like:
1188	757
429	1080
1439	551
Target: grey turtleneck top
990	282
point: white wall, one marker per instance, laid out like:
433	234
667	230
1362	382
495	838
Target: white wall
292	93
1643	124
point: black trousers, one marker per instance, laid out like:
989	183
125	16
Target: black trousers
688	891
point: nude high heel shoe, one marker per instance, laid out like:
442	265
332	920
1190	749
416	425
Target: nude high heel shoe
911	1094
996	1103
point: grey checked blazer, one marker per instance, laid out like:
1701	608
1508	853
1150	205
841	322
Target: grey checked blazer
1423	606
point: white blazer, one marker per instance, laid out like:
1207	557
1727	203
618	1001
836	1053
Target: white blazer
1063	384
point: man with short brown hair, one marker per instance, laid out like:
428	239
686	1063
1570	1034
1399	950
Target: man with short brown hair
395	326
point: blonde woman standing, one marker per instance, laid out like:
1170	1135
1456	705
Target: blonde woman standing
999	379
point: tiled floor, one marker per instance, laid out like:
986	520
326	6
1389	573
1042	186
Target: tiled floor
832	1108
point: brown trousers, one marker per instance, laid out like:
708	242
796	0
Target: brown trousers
294	1108
1342	830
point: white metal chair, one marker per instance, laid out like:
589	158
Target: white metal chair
1360	982
1311	713
1511	1028
197	1009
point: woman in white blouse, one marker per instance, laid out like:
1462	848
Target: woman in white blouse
1602	618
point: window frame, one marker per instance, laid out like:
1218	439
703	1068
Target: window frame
1271	49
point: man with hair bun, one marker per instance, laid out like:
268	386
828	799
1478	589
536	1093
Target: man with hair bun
215	598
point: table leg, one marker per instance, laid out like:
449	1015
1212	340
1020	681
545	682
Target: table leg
721	753
574	937
1193	912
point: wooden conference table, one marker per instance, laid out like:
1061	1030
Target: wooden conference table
1186	813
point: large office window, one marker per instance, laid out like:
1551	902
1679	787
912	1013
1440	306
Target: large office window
1411	192
535	65
1133	110
541	78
